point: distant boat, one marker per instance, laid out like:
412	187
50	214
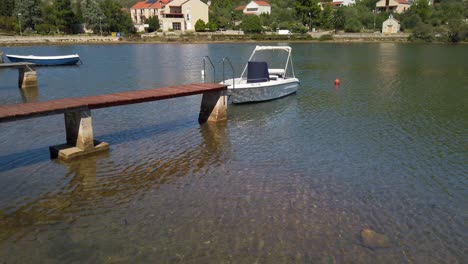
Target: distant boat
46	60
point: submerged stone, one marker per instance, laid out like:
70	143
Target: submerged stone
374	240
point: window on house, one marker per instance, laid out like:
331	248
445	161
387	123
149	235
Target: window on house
252	9
175	10
176	26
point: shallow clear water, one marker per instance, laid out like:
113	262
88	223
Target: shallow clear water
293	180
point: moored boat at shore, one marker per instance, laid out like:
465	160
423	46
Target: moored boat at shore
45	60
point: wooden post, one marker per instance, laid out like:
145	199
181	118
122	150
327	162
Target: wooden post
80	139
213	107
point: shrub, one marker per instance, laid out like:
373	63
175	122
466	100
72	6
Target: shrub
411	21
299	28
200	26
153	24
45	28
8	24
422	32
353	25
251	24
326	37
211	26
457	30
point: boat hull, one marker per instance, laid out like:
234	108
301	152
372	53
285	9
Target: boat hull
258	92
46	61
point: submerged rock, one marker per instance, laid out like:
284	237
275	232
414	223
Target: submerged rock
374	240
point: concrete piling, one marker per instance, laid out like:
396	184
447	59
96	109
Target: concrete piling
80	139
213	107
27	78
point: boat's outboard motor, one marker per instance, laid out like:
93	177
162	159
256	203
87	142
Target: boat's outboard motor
257	71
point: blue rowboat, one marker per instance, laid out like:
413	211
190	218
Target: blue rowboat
45	60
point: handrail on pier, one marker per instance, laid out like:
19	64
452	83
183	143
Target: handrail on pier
204	68
232	68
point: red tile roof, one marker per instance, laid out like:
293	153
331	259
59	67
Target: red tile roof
141	5
262	3
239	8
403	1
146	4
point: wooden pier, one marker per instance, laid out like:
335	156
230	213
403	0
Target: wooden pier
27	77
77	112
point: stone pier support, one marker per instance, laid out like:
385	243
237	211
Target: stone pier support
80	139
213	107
27	78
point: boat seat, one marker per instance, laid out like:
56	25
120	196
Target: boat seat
257	71
277	72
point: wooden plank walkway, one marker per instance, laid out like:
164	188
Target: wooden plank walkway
15	64
30	110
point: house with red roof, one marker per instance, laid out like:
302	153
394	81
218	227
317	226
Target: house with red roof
343	2
255	8
177	15
396	6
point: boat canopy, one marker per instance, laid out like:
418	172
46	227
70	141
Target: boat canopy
285	48
282	71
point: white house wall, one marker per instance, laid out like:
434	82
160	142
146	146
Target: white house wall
192	11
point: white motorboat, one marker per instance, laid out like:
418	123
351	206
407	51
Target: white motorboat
258	82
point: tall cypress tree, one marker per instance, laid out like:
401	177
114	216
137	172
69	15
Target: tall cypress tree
66	19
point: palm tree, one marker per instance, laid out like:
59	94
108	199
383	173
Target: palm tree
337	19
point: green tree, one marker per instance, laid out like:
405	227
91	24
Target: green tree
116	19
422	32
456	30
7	7
200	25
30	11
65	18
369	4
93	17
251	24
8	24
411	21
325	16
153	23
353	25
352	22
422	8
337	19
307	10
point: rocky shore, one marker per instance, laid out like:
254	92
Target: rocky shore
202	38
70	39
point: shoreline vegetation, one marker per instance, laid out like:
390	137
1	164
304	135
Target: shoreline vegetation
57	20
193	38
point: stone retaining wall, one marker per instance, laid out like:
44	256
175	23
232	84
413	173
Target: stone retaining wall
55	39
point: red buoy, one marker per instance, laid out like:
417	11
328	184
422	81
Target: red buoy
337	81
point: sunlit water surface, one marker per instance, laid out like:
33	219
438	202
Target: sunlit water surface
293	180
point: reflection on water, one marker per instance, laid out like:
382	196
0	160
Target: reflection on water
29	95
291	180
